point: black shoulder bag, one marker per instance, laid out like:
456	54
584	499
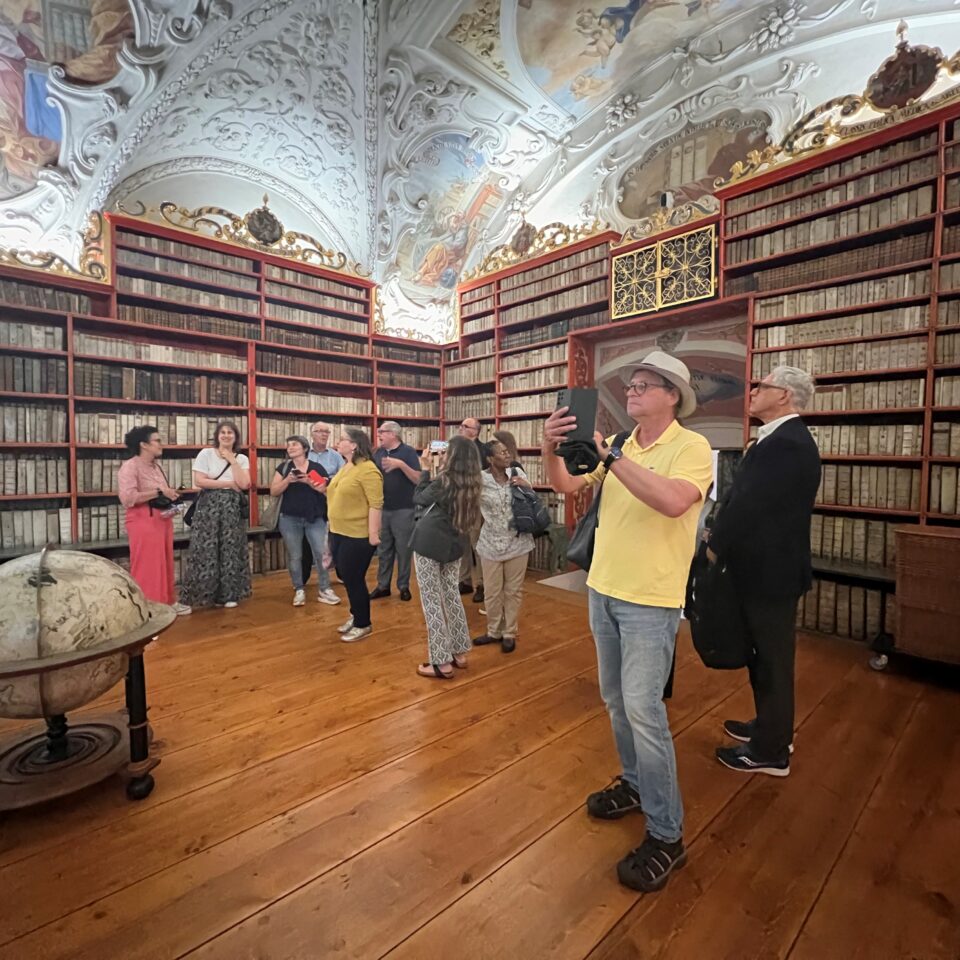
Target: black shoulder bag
188	516
580	548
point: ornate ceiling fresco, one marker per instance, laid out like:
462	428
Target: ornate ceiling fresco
412	135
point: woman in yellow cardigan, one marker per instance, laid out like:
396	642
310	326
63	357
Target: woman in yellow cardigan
354	505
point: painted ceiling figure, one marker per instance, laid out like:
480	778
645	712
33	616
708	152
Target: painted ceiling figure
442	262
620	19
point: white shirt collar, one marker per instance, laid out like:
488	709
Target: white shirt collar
768	428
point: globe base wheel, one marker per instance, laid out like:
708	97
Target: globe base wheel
139	788
879	662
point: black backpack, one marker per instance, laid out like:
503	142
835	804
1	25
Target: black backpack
529	513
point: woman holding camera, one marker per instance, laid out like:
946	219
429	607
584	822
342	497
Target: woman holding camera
218	566
450	513
303	513
147	497
502	551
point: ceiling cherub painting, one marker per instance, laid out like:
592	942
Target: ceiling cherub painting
83	35
577	52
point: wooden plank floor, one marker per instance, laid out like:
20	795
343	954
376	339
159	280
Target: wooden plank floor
317	799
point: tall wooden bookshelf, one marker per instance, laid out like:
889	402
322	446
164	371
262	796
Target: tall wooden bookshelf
188	330
512	355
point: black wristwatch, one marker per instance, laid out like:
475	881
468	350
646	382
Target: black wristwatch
613	456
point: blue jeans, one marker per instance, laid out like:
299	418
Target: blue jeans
293	529
635	646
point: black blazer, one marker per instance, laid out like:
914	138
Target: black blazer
762	531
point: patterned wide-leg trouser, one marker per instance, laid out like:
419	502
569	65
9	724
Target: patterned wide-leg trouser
447	632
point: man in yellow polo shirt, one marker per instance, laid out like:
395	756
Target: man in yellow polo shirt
653	488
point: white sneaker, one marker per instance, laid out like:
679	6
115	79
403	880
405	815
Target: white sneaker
328	596
482	612
356	633
230	604
299	598
344	627
182	609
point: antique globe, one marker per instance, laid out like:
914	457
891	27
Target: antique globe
72	625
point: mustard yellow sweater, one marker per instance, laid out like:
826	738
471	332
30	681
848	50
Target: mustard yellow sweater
352	493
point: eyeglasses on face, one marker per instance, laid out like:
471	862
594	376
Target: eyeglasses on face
640	387
769	386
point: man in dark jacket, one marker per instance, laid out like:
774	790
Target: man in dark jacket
762	535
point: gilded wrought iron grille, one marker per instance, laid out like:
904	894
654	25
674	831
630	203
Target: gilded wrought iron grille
665	274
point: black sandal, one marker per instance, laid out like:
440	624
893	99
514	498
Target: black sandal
432	671
649	866
614	802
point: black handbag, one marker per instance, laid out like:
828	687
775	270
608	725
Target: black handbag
161	502
434	536
192	509
713	609
580	548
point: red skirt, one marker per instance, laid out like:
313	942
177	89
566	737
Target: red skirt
151	553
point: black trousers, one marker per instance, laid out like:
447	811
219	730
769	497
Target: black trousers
771	622
351	559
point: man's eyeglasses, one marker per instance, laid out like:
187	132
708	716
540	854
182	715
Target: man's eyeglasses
641	387
768	386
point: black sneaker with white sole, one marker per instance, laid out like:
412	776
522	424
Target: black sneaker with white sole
742	730
740	758
648	868
614	802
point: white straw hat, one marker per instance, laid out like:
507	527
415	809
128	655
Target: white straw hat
672	370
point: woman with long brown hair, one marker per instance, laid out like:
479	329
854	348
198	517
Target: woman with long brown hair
450	506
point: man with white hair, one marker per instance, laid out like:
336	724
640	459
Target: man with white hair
400	465
653	487
762	536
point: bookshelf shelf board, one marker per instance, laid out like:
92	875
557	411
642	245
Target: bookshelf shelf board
484	334
21	395
298	325
560	273
125	270
949	294
133	248
530	450
909	267
949	257
389	387
826	211
463	360
464	317
306	286
432	418
315	413
810	344
408	363
524	416
840	244
32	312
91	494
534	346
848	508
147	330
533	297
33	351
316	381
942	517
34	496
167	447
358	358
539	366
179	305
357	315
816	188
555	315
933	458
865	413
947	367
549	388
847	568
447	387
218	371
114	401
868	458
31	445
862	374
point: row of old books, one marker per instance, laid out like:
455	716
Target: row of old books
846	610
876	256
866	218
898	286
547	554
952	196
844	327
463	374
293	400
28	474
864	440
472	306
100	522
571	261
95	474
947	348
133	383
268	554
950	239
535	379
414	380
534	403
903	174
180	320
33	374
854	539
879	156
529	433
286	313
325	284
943	489
483	347
191	296
33	423
868	485
25	294
479	405
188	251
945	439
948	313
555	281
291	365
477	324
316	341
422	409
870	395
36	336
557	353
552	331
398	352
478	293
950	275
315	298
34	528
533	468
846	357
195	272
98	346
567	300
946	391
186	429
273	431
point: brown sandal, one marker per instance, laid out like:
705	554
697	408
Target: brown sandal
460	663
433	671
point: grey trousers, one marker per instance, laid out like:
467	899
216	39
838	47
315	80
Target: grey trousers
396	528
